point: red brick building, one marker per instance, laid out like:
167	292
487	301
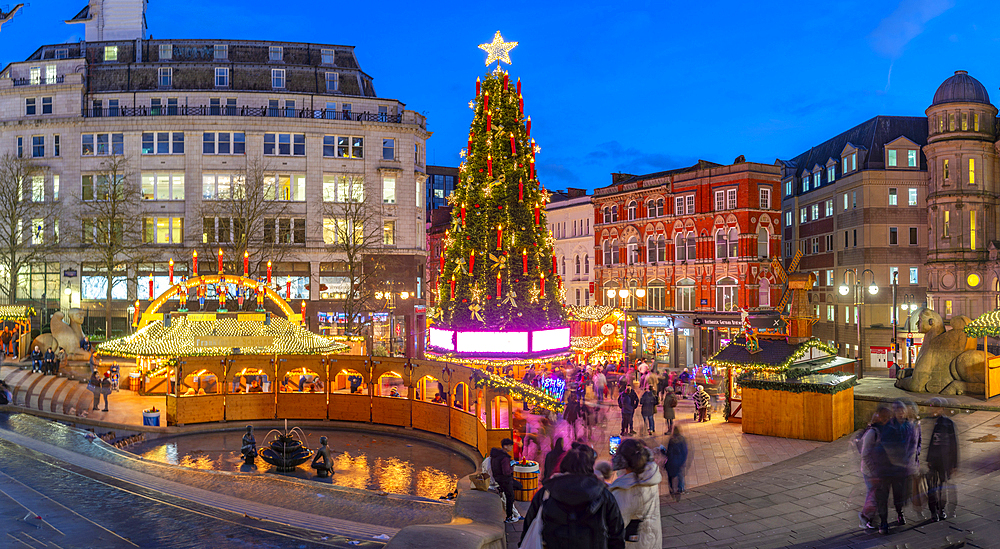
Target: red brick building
692	246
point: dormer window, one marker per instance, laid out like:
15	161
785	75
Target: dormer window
276	53
816	179
831	174
166	52
111	53
805	182
892	158
221	51
788	188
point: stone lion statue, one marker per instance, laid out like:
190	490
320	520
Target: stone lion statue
948	362
67	332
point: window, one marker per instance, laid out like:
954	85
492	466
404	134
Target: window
275	53
911	197
847	239
95	187
892	157
659	208
37	188
102	144
219	186
913	236
720	244
614	213
163	143
947	303
829	242
972	229
111	53
788	188
343	188
689	203
845	202
289	230
650	208
788	219
37	146
342	146
162	186
692	246
892	197
165	78
911	158
607	251
223	143
656	296
854	161
829	277
389	233
855	233
893	236
965	121
20	146
55	145
946	170
285	187
163	230
30	107
285	144
972	171
684	295
720	200
764	293
328	56
829	207
62	53
854	199
632	250
805	182
221	51
166	52
388	190
726	295
765	199
607	215
815	245
830	313
678	206
278	78
803	215
631	210
221	77
815	211
831	174
913	275
332	81
46	105
947	222
55	188
586	264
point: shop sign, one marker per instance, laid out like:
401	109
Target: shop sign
234	342
420	309
656	321
718	322
607	329
704	302
69	273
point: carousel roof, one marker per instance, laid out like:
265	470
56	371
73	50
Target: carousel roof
590	313
218	335
988	324
16	312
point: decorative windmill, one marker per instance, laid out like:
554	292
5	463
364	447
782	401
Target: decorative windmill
797	285
782	275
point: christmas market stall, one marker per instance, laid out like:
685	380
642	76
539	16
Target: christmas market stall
595	335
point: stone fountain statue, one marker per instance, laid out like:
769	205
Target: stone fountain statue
286	451
249	449
948	362
67	333
322	462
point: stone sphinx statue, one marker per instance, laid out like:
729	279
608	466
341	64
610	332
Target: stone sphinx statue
948	362
67	333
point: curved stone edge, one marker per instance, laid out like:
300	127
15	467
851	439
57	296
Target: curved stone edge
478	524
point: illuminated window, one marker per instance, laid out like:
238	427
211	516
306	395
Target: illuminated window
911	158
972	229
765	199
815	212
965	121
829	207
911	198
975	122
972	171
892	158
947	302
854	161
831	174
111	53
892	197
946	170
947	222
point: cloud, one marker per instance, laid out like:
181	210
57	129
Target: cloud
632	159
904	24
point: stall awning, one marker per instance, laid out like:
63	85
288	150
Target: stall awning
774	354
987	325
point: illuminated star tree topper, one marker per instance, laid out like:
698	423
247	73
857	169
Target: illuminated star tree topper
498	50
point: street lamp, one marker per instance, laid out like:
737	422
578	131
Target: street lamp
859	302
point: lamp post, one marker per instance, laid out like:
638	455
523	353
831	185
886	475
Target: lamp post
910	306
859	301
623	294
895	323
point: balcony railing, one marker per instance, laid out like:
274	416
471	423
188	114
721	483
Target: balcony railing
38	82
262	112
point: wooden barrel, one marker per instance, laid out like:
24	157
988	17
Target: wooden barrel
527	475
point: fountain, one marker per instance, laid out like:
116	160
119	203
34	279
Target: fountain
286	451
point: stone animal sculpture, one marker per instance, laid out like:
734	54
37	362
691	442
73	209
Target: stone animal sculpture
948	362
67	331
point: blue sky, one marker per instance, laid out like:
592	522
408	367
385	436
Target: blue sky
636	87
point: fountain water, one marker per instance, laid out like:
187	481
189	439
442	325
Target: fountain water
287	451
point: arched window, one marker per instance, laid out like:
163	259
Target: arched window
650	209
720	244
563	266
612	299
659	207
614	213
734	241
586	263
692	246
661	248
607	215
578	264
631	210
656	296
765	293
607	252
726	294
632	250
680	252
763	240
615	254
684	295
650	248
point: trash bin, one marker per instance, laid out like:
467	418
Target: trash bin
133	381
151	419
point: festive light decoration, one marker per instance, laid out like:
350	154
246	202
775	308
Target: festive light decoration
586	344
268	273
170	270
796	355
246	264
986	325
498	50
591	313
532	396
821	383
194	263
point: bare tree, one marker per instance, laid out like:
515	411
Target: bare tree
28	230
251	217
112	224
352	231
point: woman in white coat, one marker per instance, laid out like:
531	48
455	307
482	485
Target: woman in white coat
637	491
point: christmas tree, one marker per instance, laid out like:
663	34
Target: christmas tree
498	270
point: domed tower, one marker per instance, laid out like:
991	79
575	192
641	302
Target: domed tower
962	188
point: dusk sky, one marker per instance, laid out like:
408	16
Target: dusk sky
636	87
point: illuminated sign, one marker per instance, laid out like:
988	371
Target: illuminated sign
442	338
547	340
495	342
233	342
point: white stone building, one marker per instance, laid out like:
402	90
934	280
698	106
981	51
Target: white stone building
570	215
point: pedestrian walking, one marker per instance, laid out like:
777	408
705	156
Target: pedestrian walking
637	492
676	453
572	415
669	403
942	460
648	404
628	402
866	443
701	402
684	380
94	386
106	389
600	385
552	459
576	508
892	456
503	474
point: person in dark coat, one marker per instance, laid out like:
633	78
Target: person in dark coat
676	453
628	402
572	414
551	465
36	359
577	509
942	460
94	386
106	389
891	458
648	403
48	361
503	474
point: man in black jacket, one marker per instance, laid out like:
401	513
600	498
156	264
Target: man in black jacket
503	474
577	509
942	459
628	402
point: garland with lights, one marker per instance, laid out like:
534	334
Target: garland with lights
800	385
498	268
590	313
16	312
533	396
800	351
987	325
586	344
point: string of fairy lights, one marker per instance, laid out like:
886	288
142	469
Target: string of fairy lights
532	396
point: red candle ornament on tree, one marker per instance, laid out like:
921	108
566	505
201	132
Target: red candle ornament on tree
498	288
170	270
528	127
452	286
518	86
478	83
538	214
268	273
489	121
512	150
520	104
463	214
472	261
531	169
246	264
524	261
489	165
505	80
486	101
520	190
499	235
441	262
194	262
553	264
532	150
541	286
